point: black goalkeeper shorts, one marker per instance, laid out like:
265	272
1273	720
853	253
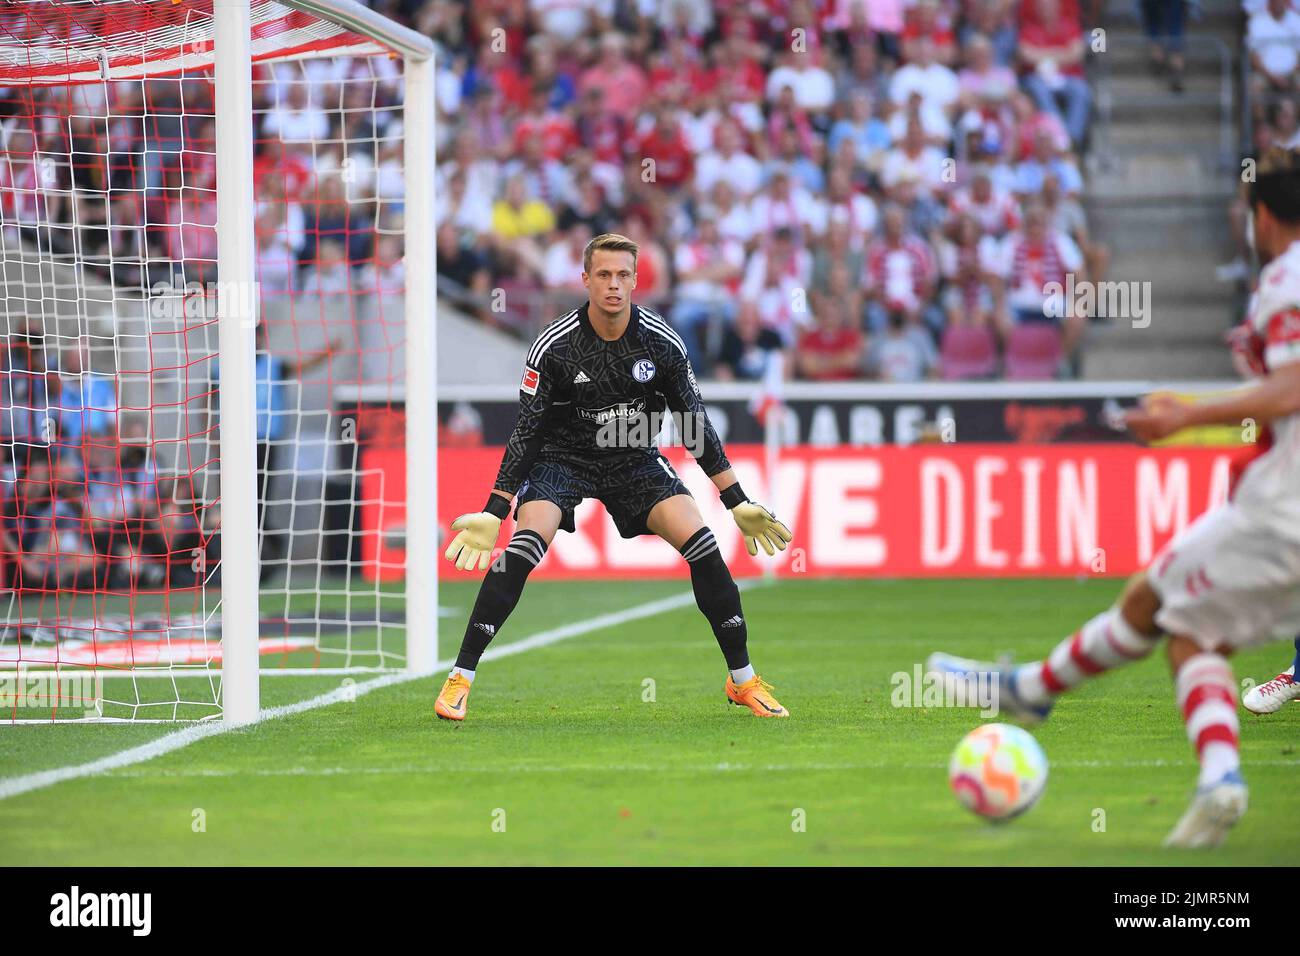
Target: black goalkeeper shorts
629	485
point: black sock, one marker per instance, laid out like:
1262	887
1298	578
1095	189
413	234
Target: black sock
717	596
499	594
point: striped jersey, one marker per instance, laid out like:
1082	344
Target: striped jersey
1270	485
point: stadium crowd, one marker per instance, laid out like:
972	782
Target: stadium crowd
876	189
867	190
1272	52
82	504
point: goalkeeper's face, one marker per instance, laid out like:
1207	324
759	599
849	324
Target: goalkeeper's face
610	281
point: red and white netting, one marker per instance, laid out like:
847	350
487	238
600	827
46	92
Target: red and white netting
110	545
89	41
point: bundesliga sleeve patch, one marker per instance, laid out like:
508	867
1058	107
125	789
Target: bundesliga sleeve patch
1282	338
1284	327
531	378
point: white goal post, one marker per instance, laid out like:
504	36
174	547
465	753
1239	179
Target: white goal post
240	620
74	275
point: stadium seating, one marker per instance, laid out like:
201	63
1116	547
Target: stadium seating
968	352
1033	352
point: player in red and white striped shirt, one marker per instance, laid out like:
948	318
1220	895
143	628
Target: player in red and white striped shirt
1230	580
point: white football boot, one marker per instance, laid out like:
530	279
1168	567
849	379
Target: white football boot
1269	697
958	674
1214	810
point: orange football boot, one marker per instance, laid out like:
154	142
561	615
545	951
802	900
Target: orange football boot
450	704
756	694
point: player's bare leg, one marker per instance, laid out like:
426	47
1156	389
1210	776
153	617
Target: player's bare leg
1204	686
497	596
1268	697
678	521
1122	634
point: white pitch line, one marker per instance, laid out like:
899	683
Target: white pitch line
14	786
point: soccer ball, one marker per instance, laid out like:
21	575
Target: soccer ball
998	771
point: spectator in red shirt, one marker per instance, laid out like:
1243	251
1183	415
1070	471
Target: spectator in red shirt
652	261
555	129
1051	55
666	145
678	76
740	81
1029	14
273	155
831	350
925	19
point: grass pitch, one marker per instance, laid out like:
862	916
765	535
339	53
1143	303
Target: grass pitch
617	747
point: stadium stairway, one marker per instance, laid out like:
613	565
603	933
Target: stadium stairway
1162	170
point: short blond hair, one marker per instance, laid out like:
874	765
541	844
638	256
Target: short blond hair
609	242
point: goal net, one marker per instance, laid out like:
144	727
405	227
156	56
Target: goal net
122	323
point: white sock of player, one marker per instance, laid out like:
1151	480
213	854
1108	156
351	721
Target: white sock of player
743	674
463	672
1105	642
1207	697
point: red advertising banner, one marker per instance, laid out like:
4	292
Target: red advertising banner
919	511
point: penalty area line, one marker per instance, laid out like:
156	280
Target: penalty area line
169	743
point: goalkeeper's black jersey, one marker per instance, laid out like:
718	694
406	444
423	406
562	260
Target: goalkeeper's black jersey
582	394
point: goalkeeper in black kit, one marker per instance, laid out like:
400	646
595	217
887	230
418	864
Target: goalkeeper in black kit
593	381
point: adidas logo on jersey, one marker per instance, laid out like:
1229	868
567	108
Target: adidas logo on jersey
735	621
580	378
488	629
